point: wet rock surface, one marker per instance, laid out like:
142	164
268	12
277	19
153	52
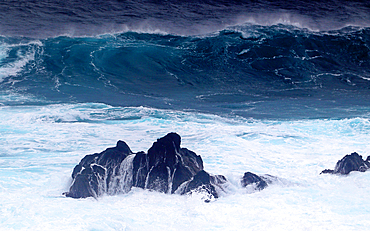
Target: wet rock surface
165	168
253	179
349	163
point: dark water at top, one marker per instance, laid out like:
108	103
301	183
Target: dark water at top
33	18
260	59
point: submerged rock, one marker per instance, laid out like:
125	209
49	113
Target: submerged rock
164	168
251	179
255	182
349	163
205	184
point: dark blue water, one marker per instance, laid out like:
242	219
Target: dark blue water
260	59
90	17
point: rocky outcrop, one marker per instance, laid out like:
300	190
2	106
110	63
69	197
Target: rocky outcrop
349	163
166	168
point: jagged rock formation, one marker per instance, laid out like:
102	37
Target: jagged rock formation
349	163
165	168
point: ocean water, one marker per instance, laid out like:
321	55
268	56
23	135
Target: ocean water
270	87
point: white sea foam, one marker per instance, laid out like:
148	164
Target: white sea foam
365	78
298	20
40	145
24	56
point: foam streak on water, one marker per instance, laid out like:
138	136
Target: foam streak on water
22	54
40	145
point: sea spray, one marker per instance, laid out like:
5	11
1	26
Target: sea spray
276	88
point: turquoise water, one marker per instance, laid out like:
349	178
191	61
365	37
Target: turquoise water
40	145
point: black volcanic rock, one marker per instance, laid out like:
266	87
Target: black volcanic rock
326	171
251	178
90	176
349	163
164	168
205	184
